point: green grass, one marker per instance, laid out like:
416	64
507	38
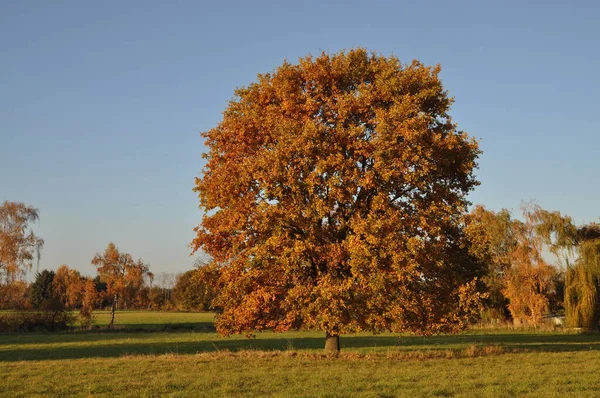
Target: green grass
154	319
142	359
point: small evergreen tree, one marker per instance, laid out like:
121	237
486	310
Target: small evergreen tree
41	288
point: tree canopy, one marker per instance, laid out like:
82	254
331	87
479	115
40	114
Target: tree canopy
68	286
123	276
333	192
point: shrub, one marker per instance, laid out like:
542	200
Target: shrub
16	322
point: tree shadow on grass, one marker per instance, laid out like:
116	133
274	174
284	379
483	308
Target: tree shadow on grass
198	327
150	345
112	349
100	333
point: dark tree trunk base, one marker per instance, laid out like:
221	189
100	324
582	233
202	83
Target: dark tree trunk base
332	344
112	313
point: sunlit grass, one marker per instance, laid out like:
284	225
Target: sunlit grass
141	319
530	374
140	360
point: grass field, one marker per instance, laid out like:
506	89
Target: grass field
147	358
157	320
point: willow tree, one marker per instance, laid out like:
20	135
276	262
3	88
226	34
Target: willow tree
333	192
578	248
582	287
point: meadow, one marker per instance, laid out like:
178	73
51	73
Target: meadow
179	354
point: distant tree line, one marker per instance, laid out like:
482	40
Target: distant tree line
66	289
120	283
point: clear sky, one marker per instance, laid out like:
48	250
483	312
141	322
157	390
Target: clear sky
102	102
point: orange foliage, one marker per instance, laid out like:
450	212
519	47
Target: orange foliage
123	276
14	295
68	286
89	300
333	192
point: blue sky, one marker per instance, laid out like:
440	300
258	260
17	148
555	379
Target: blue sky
101	103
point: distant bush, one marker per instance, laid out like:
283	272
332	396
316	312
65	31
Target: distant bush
47	320
51	314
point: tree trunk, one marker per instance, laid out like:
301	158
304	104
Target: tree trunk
112	312
332	343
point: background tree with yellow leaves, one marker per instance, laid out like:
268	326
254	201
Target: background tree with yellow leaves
19	246
88	303
333	193
519	278
196	289
123	276
68	286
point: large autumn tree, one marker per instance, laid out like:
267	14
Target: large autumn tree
122	274
333	190
19	246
